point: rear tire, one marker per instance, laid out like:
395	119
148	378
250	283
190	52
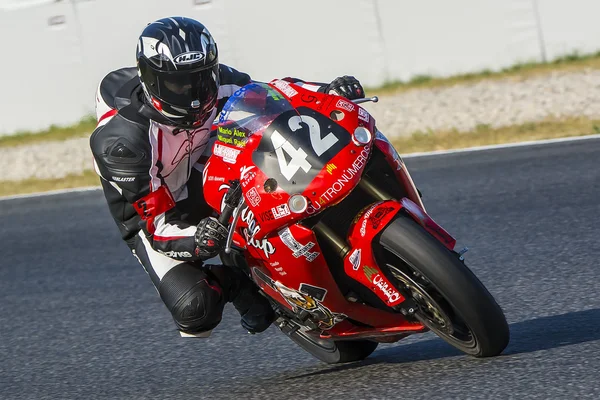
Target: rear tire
467	315
334	351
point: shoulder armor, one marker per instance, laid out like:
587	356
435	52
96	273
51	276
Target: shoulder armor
111	87
121	147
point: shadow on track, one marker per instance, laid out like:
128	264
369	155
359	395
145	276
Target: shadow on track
526	337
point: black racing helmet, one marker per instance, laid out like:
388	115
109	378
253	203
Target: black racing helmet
178	65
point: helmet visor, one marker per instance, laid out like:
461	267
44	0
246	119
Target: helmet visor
190	90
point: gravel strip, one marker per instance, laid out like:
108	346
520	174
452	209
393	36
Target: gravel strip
45	160
463	107
493	102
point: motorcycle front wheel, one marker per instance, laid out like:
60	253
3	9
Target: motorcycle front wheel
451	300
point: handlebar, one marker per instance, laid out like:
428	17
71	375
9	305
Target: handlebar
374	99
232	198
232	203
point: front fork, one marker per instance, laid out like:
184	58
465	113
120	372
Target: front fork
357	250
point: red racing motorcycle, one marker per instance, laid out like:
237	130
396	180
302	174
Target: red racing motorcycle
325	218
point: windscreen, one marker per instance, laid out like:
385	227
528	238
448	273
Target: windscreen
295	143
250	110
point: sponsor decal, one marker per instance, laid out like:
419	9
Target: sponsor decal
330	168
375	219
253	197
189	57
374	276
363	115
370	272
346	177
298	250
123	178
233	136
280	271
266	216
248	218
216	179
285	88
313	208
264	244
274	264
281	211
172	254
247	174
363	227
387	289
308	298
253	228
346	105
228	154
355	259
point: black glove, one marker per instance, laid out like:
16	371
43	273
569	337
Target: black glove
346	86
210	238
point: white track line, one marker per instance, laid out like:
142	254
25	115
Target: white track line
501	146
410	155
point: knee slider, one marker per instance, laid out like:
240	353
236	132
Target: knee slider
194	300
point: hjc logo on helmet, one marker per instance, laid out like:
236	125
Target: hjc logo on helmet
188	58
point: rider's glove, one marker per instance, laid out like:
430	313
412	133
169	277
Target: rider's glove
210	238
346	86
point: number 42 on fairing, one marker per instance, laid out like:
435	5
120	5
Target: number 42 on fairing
298	156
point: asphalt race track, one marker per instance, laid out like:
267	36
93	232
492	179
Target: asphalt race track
79	318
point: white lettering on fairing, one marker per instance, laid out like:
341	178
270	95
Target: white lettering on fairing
263	244
363	227
347	176
228	154
248	218
253	228
387	290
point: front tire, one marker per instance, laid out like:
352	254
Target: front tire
452	301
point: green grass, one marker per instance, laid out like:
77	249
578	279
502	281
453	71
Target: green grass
550	128
571	62
87	178
420	141
81	129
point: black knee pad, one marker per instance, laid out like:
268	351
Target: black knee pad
195	300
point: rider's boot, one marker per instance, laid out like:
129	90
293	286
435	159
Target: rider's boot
255	310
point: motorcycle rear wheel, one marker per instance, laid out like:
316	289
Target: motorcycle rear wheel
333	351
451	300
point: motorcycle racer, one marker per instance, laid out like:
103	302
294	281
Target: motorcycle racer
152	140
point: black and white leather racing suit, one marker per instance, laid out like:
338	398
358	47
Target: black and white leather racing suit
151	174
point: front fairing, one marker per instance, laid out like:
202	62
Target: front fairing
263	134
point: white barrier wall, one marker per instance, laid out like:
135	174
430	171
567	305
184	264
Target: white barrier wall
56	51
